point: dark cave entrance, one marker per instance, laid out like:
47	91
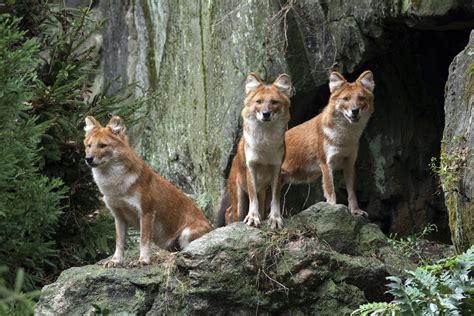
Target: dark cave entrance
395	183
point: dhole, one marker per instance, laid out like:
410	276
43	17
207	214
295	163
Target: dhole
330	141
138	196
256	166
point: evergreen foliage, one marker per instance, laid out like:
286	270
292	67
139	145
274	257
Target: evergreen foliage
48	72
29	201
13	301
63	94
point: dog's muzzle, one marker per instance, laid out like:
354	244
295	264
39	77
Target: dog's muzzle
90	162
266	116
355	115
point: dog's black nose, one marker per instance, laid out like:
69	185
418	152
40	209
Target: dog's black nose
89	160
266	115
355	111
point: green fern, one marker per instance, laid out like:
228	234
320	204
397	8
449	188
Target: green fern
378	308
445	288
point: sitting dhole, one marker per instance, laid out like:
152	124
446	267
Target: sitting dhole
330	141
256	166
138	196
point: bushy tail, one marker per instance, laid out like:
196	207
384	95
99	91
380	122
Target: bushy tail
225	204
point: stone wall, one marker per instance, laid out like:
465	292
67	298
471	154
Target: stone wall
196	55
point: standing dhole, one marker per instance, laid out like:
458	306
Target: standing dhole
138	196
330	141
256	166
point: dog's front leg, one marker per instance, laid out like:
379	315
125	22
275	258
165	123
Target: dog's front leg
328	183
253	217
349	177
146	237
120	233
275	218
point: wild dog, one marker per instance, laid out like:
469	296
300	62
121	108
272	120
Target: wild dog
138	196
261	150
330	141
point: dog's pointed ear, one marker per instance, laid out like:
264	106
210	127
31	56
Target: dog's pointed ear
336	80
91	123
252	83
366	79
116	125
283	83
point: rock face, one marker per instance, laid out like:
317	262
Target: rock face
196	56
324	261
456	161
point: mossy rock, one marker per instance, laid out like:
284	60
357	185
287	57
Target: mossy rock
456	169
302	268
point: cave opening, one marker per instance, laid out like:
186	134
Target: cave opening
394	181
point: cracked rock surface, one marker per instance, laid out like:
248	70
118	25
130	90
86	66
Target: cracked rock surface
323	261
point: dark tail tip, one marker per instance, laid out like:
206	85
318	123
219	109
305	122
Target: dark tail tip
225	203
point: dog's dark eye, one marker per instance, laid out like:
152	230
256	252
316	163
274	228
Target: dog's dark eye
361	98
102	145
89	146
259	101
274	102
346	98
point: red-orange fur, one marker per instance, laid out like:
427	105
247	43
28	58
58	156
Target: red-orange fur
164	211
260	153
330	140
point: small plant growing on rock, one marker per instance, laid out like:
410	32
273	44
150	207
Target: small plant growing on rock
449	167
445	288
409	244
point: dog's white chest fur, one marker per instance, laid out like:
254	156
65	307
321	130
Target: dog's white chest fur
114	183
113	180
264	142
344	140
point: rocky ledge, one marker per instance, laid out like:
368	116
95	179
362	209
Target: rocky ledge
323	262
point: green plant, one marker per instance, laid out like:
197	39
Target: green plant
29	201
409	244
449	167
99	311
445	288
15	301
63	94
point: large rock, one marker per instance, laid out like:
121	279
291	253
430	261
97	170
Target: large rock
196	54
456	161
324	261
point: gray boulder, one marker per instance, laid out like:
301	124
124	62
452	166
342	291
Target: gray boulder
456	160
323	262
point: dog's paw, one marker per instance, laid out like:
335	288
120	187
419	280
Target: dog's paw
252	220
359	212
112	263
139	263
275	222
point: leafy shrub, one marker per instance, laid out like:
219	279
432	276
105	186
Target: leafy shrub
409	244
29	201
15	301
63	95
55	90
446	288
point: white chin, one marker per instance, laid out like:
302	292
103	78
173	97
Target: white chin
351	120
